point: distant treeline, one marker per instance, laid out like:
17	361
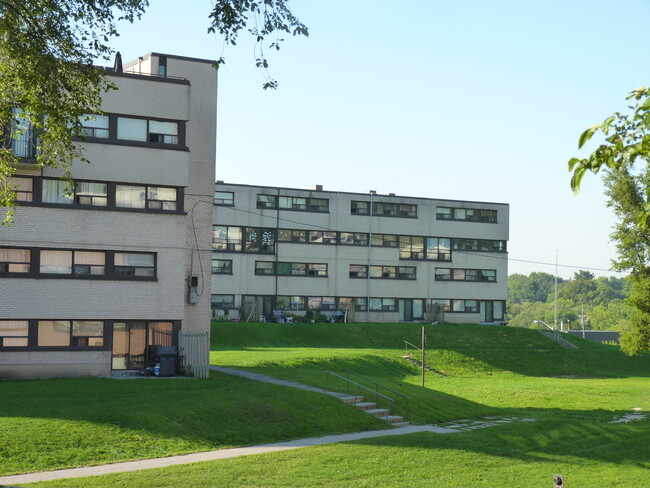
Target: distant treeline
601	299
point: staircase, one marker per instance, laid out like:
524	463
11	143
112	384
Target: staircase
558	338
371	409
419	365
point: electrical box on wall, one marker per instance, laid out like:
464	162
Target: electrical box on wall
192	295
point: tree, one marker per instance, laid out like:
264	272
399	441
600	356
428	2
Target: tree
47	78
625	157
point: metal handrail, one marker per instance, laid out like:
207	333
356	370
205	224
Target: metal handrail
377	386
557	337
359	386
407	344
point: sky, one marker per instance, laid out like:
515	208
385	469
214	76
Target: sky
469	100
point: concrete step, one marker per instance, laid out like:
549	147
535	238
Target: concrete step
400	424
352	400
393	419
378	412
366	405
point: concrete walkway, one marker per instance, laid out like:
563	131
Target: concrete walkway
212	455
459	426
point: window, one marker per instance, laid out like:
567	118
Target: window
438	249
23	136
152	197
222	266
62	333
411	247
260	240
24	188
145	130
383	305
13	260
394	210
264	267
54	191
318	204
224	198
322	237
445	304
56	262
359	208
358	271
406	272
384	240
322	304
135	264
447	274
223	302
226	238
466	214
465	244
292	203
290	303
267	201
14	333
95	126
162	66
292	235
290	269
353	238
83	193
457	305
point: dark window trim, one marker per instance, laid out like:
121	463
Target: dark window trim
309	207
113	140
452	218
212	268
368	275
451	304
478	275
37	197
229	307
372	212
109	266
223	204
274	270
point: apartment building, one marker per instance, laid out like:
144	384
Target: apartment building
90	282
380	258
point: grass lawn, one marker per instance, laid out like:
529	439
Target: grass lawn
53	424
521	454
571	394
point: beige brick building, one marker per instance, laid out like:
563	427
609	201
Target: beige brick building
380	258
89	281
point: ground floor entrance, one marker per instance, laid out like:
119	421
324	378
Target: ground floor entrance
135	342
410	309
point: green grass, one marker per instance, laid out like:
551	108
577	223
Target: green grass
571	394
53	424
521	454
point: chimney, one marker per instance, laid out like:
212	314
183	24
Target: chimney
391	194
372	192
317	187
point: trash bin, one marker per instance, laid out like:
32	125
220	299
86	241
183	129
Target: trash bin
168	360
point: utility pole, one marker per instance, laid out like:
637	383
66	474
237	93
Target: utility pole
583	321
555	302
424	342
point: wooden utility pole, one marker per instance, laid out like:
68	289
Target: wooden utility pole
424	341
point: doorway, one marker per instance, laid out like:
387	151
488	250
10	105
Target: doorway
135	342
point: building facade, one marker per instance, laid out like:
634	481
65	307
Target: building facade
379	258
89	282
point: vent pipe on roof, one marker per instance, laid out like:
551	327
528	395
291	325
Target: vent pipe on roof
117	66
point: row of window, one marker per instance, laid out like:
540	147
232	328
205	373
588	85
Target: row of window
97	195
111	128
466	214
457	274
360	304
357	207
262	240
89	264
382	272
52	333
382	209
290	269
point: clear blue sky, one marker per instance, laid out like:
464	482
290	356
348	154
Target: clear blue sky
470	100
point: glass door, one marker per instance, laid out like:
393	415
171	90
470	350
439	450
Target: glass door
129	345
405	310
487	311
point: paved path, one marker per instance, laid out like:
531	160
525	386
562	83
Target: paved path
212	455
458	426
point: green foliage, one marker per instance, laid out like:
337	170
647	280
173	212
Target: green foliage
535	287
47	49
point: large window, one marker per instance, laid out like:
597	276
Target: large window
384	240
222	266
466	214
223	302
14	333
484	245
15	260
95	126
457	305
353	238
411	247
226	238
83	193
224	198
383	305
290	302
77	263
394	209
131	264
260	240
23	186
438	249
146	130
321	304
145	197
64	333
